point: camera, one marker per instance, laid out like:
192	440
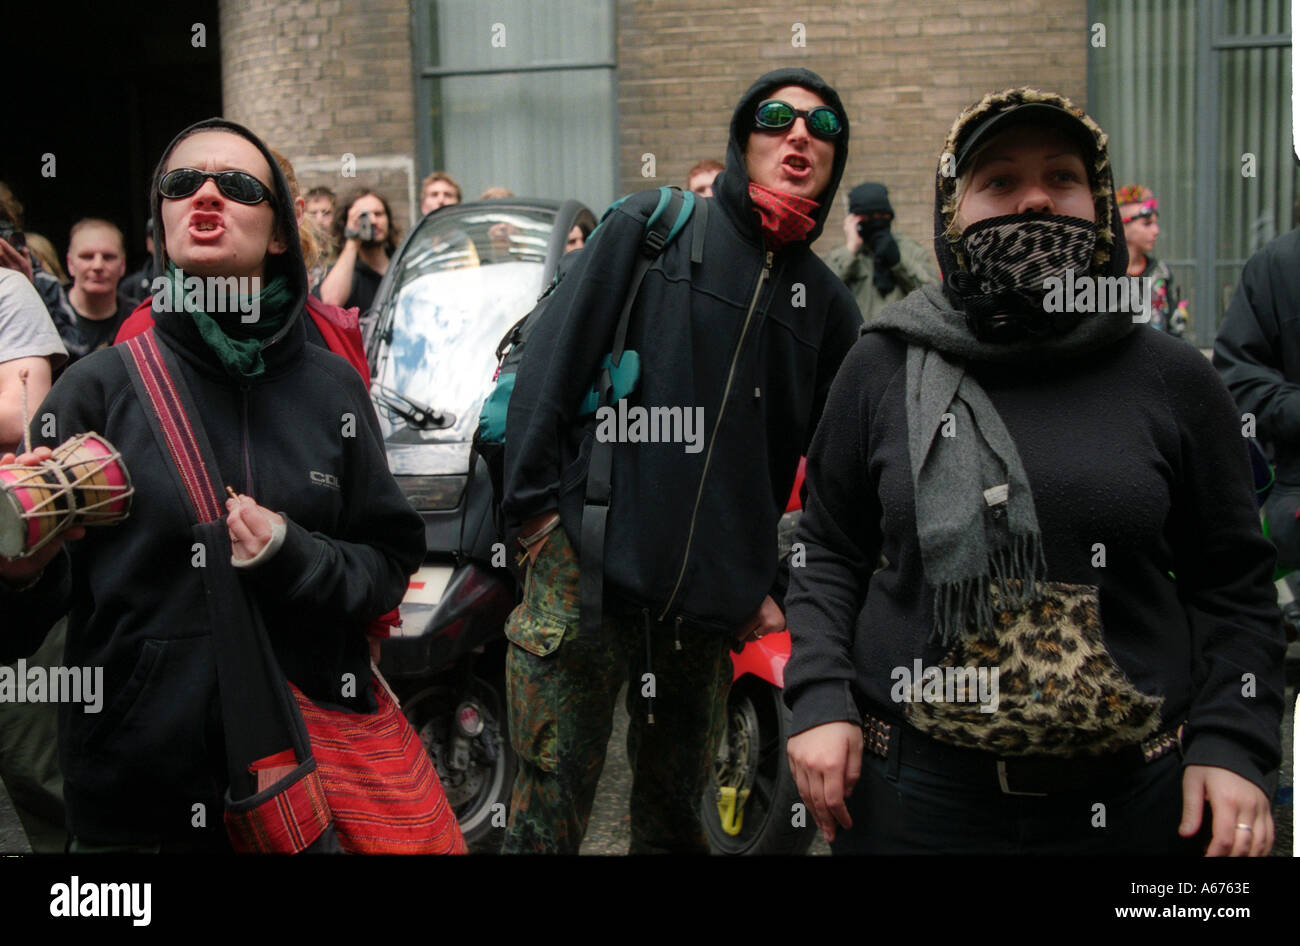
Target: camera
365	228
873	223
12	235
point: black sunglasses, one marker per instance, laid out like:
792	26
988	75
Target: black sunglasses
239	186
773	115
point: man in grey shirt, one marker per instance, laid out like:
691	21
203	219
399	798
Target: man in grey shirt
28	340
29	762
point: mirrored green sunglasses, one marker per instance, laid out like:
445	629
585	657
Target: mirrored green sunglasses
774	115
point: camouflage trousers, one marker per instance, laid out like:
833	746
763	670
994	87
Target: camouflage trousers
562	689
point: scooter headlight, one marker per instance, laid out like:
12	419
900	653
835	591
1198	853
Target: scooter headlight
432	493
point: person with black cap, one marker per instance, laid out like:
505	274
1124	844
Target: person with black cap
1072	643
877	265
321	535
747	340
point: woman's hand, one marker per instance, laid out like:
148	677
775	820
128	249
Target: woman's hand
826	762
249	525
1243	820
20	571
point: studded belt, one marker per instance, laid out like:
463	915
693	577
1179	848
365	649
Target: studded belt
1013	775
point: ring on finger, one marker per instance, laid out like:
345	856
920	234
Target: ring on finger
1245	827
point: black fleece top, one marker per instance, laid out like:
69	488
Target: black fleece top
1257	350
1136	446
751	337
136	602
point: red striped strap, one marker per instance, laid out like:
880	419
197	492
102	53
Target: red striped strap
176	427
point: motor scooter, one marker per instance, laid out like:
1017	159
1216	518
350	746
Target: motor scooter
462	277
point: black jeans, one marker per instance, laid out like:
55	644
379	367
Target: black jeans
901	809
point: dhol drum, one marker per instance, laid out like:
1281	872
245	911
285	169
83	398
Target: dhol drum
84	483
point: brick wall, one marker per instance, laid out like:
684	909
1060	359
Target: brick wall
903	70
318	79
321	78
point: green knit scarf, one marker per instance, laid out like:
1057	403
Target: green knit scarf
236	343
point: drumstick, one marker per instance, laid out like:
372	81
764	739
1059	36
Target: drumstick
27	427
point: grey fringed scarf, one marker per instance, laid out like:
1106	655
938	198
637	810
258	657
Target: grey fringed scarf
974	510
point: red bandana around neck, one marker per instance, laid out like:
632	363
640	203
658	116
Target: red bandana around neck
786	218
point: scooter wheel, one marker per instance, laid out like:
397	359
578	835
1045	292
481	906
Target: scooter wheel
479	794
748	805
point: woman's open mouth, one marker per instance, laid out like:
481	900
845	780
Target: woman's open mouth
206	227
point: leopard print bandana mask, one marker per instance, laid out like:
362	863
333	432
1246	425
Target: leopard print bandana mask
1008	261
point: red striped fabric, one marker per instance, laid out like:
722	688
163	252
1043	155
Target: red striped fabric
382	789
286	823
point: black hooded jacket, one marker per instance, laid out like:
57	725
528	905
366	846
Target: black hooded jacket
302	440
751	337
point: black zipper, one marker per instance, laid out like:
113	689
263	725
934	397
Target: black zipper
717	424
248	456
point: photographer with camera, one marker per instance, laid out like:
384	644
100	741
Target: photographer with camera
877	266
366	238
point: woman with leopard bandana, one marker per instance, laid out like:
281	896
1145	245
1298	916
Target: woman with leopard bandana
1036	613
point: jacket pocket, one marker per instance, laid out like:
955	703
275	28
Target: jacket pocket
575	472
127	697
150	756
531	687
536	633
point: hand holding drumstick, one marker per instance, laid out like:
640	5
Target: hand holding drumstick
250	525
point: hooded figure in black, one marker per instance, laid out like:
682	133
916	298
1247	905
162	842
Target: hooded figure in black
741	347
878	265
1018	478
322	538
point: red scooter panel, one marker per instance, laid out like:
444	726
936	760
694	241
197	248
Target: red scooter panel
765	658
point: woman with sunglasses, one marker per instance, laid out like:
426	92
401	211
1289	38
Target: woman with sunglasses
321	536
1037	612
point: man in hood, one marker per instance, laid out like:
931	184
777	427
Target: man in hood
742	347
877	265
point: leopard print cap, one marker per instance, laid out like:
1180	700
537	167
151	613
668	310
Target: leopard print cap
1110	255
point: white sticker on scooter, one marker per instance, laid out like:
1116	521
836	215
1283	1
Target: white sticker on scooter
428	584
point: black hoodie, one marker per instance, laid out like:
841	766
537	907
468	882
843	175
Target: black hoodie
750	337
302	440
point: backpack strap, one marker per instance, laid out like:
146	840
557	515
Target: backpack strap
701	207
667	220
